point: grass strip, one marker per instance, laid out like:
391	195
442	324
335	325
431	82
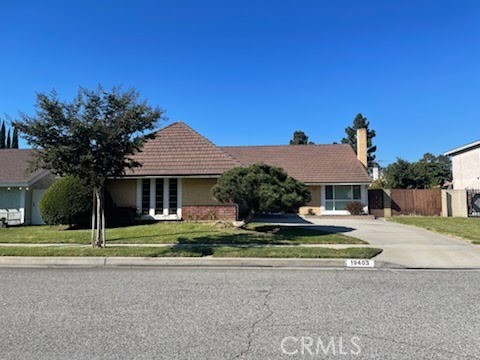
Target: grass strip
464	228
194	251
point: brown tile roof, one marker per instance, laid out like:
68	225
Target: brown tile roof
179	150
307	163
15	166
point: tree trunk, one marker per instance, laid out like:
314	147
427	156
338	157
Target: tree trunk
92	237
98	237
98	242
248	219
103	218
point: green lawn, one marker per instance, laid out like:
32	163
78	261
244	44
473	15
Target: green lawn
195	251
465	228
177	233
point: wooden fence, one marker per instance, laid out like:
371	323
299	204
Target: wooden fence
405	202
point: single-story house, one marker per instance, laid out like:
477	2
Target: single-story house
180	167
466	166
21	188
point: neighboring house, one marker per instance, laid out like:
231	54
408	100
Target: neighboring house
180	167
466	166
20	188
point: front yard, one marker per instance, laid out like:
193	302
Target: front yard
184	240
178	233
464	228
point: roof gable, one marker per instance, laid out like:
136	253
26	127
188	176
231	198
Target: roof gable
177	149
465	148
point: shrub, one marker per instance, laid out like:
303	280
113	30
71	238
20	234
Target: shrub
261	189
68	202
212	215
355	208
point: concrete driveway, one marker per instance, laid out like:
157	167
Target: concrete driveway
402	245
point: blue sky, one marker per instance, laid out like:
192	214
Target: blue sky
252	72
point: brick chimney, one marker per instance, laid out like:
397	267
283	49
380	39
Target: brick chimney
362	146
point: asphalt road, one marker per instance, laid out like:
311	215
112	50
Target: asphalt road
155	313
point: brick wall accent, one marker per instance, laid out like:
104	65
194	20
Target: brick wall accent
210	212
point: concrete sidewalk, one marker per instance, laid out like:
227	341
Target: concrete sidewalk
101	261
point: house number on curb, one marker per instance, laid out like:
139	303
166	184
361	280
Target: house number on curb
360	263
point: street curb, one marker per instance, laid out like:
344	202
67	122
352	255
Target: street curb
54	261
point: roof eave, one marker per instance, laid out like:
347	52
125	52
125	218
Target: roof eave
29	182
464	148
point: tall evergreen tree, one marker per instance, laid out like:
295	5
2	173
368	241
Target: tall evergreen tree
2	136
15	138
300	138
9	142
358	123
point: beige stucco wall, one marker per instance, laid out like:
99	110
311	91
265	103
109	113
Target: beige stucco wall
315	202
123	192
198	192
466	170
315	193
454	203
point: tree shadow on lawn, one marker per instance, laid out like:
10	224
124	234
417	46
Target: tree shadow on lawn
273	235
280	219
126	237
180	250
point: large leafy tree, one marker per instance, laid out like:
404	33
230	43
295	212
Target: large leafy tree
429	172
300	138
435	170
91	138
361	122
261	188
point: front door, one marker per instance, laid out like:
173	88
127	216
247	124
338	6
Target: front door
36	196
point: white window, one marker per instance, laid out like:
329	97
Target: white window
160	198
338	196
